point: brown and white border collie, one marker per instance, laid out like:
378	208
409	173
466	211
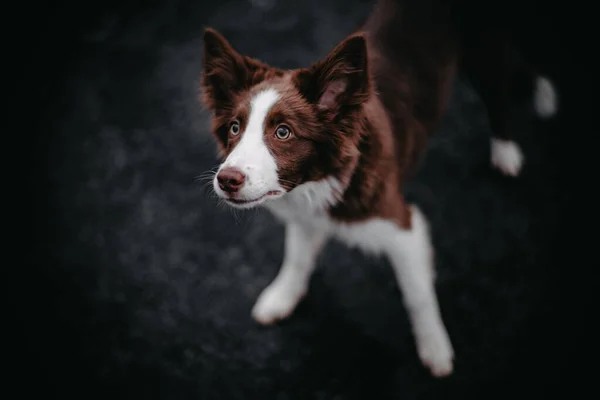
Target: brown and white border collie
327	149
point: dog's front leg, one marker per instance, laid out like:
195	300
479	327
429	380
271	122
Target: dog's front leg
279	299
411	255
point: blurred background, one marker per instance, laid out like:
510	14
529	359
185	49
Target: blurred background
137	285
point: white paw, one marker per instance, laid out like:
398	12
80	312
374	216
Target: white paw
506	156
436	353
276	302
545	98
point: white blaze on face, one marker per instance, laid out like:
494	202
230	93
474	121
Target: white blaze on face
251	154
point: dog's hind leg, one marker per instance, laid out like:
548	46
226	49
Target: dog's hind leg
507	85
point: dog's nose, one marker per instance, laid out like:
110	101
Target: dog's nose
230	179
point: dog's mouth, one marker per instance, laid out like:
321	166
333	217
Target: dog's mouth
251	202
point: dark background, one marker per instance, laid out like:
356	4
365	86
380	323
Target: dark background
135	284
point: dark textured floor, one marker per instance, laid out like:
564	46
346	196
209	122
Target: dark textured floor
146	285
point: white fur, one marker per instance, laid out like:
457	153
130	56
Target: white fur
409	252
507	156
545	98
252	156
307	200
279	299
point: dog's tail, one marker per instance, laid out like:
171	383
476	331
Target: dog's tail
545	97
526	83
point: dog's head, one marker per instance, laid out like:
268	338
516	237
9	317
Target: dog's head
277	129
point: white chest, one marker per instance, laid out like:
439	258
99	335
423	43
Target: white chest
306	206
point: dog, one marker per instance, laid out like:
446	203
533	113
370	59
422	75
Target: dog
328	148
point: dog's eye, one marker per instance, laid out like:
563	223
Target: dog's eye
235	128
283	132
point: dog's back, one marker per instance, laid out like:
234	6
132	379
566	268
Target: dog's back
416	46
412	56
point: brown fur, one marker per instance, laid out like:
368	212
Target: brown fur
362	115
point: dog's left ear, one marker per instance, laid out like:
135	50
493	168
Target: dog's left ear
340	80
224	70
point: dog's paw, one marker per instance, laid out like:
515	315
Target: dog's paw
276	302
436	353
506	156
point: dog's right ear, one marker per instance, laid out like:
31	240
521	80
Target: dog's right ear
339	82
224	71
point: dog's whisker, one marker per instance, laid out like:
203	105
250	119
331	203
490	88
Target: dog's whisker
208	174
203	177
